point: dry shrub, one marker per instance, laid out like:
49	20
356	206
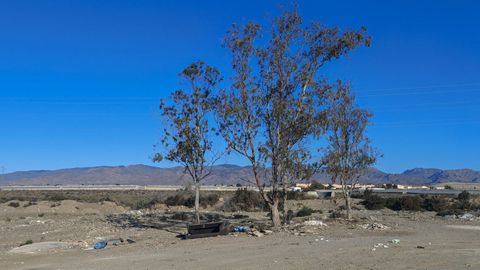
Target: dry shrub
245	200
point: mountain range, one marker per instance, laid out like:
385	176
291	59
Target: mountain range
221	174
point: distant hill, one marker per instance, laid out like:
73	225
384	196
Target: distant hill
221	174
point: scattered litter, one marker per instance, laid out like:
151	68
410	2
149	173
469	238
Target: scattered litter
395	241
315	223
241	228
374	226
379	245
100	245
467	216
267	232
116	242
256	234
130	241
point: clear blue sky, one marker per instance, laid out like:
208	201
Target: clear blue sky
80	80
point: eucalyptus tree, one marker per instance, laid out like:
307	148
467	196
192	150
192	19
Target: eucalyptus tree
276	102
186	137
349	152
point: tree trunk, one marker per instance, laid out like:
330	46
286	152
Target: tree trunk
197	202
348	204
275	213
285	205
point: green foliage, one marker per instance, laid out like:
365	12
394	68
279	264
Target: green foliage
315	186
337	214
245	200
305	212
186	137
277	89
407	203
373	202
188	199
390	186
296	195
435	203
28	242
464	196
145	203
14	204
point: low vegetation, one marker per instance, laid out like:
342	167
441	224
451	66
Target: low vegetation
14	204
443	205
28	242
315	186
305	211
188	199
245	200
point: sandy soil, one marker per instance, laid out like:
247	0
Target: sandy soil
444	244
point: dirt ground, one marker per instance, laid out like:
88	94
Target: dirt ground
426	241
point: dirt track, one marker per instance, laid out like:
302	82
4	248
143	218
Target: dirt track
339	246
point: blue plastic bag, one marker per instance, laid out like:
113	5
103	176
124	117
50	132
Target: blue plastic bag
240	228
100	245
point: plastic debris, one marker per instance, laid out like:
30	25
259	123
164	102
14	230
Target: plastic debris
256	234
374	226
467	216
241	228
395	241
100	245
315	223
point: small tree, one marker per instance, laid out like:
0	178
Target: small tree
276	102
349	153
186	136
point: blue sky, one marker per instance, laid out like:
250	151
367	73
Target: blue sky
80	81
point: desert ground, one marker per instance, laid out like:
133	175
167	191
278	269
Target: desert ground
64	232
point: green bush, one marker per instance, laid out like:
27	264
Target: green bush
337	214
373	202
315	186
145	203
209	199
407	203
435	203
187	199
305	212
245	200
14	204
28	242
296	195
464	196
